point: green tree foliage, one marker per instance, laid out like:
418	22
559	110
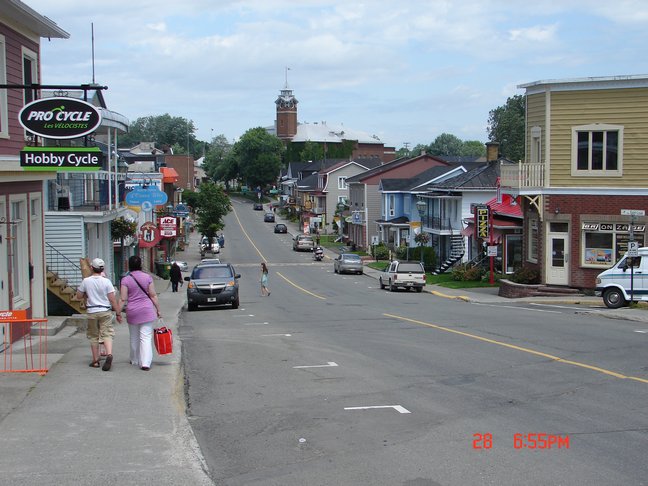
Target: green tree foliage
166	131
219	148
258	155
191	198
312	151
446	144
213	205
121	228
473	148
506	126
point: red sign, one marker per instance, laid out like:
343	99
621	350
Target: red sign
149	235
13	315
168	227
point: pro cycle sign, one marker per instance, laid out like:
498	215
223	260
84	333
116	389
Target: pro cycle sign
60	118
61	158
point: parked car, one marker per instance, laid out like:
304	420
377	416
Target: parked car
280	228
624	282
269	218
184	266
258	207
348	263
303	243
212	284
403	274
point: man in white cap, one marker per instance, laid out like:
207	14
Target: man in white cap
101	300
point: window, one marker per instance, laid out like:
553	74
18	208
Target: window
342	182
392	203
4	113
532	254
343	200
597	150
18	247
536	147
606	243
30	72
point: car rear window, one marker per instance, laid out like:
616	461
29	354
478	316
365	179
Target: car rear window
410	267
351	258
211	272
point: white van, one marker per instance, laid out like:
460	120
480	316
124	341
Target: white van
614	285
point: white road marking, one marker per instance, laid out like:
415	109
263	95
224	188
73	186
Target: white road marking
268	335
256	323
518	308
330	363
244	315
398	408
642	331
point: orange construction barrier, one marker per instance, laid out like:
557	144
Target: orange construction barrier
22	338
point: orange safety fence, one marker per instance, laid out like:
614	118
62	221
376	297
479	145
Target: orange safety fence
22	339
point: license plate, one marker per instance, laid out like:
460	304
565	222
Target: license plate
211	299
409	284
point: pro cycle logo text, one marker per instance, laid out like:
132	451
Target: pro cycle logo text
60	118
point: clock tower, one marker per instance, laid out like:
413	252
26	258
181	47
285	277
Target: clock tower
286	122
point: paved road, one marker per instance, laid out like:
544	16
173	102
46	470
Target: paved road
278	389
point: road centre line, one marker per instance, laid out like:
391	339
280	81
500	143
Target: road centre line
520	348
256	323
300	288
398	408
283	335
518	308
329	365
248	236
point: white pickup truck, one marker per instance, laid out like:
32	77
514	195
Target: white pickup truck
403	274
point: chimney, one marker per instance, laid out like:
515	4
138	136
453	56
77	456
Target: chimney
492	151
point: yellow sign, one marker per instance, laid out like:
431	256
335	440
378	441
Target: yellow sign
482	221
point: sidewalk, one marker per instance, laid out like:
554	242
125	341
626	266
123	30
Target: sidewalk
79	425
489	295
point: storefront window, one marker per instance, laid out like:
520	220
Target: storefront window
606	243
513	252
533	241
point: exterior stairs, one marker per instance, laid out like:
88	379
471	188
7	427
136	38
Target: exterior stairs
457	251
59	288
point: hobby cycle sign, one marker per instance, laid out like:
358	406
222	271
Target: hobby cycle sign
60	118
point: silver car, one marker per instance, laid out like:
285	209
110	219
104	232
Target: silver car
348	263
303	242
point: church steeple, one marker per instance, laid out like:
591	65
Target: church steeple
286	123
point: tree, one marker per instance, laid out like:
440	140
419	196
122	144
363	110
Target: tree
219	148
506	126
121	228
213	205
473	148
258	155
164	130
446	144
312	151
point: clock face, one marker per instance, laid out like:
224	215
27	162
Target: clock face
287	103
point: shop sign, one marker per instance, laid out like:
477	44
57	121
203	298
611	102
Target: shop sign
60	158
618	227
13	315
481	215
149	235
60	118
146	195
168	227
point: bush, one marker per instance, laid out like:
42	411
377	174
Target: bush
526	275
381	252
467	273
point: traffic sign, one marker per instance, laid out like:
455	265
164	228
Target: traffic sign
633	248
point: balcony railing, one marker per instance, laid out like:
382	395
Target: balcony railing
440	224
83	194
523	175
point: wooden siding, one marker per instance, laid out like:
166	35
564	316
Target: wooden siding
373	196
67	235
536	117
14	42
625	107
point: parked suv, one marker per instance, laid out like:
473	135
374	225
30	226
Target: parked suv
303	242
212	284
403	274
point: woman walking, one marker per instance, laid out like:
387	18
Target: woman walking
264	280
142	311
175	274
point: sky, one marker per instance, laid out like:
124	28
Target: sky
405	71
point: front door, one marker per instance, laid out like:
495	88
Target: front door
558	254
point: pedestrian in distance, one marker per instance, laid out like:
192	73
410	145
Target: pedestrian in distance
101	301
175	274
142	312
221	240
264	280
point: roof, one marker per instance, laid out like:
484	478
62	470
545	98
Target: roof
482	177
507	207
169	175
324	132
388	166
24	15
395	221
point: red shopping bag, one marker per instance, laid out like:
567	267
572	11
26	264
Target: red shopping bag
163	339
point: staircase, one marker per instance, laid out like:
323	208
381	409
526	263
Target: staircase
63	276
457	250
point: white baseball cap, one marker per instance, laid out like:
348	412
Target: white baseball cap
98	263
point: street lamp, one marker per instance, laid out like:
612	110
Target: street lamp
421	207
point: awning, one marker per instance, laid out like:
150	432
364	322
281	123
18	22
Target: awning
169	175
499	227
